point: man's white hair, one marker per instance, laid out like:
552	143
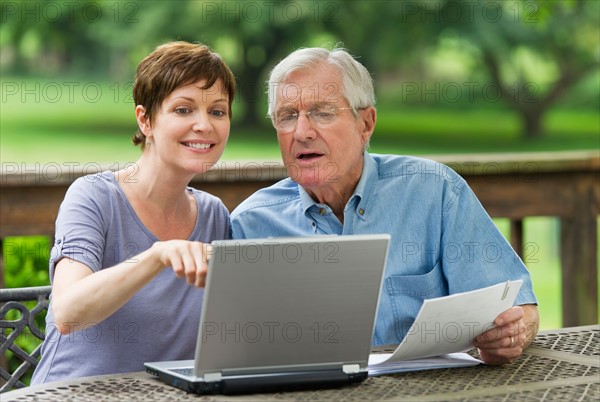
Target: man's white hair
356	80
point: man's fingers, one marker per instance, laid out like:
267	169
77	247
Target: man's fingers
514	313
495	334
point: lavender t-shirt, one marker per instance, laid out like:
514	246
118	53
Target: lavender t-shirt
98	227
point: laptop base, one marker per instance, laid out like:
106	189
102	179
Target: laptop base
263	383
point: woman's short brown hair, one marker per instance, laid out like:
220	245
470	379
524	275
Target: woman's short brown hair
174	65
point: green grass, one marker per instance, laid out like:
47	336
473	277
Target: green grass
81	137
94	121
421	131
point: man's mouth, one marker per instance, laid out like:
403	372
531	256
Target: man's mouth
308	155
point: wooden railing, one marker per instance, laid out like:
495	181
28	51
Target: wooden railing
514	186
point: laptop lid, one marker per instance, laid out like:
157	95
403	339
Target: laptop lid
290	304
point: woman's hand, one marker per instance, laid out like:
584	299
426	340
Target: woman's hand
188	259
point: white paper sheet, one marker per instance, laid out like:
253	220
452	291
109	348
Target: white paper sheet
449	324
378	364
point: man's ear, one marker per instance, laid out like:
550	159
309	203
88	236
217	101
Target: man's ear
368	117
142	120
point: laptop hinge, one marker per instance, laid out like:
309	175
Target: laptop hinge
351	368
212	377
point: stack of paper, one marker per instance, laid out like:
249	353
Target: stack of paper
444	328
378	364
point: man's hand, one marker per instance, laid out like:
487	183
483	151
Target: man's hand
515	330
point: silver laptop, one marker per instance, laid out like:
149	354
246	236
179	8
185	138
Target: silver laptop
284	313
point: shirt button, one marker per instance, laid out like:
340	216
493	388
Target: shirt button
361	212
322	211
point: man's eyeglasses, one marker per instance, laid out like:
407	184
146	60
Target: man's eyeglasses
286	119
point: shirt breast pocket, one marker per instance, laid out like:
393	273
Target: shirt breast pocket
407	292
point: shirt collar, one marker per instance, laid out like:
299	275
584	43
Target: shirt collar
305	199
368	177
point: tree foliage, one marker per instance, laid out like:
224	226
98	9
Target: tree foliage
518	38
533	51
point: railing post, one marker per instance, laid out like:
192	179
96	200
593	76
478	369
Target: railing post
516	236
579	258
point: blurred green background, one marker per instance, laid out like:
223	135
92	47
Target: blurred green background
451	76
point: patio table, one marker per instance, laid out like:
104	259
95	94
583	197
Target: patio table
561	365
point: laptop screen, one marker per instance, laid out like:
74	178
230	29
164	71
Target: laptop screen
279	304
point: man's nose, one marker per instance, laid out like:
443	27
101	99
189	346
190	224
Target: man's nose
304	128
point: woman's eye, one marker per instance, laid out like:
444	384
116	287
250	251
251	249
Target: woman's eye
218	113
182	110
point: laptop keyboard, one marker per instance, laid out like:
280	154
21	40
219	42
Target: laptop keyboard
184	371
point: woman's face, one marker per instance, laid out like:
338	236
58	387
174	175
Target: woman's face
190	129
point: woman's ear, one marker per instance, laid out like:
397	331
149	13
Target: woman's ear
142	120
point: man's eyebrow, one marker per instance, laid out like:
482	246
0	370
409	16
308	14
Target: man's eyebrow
314	105
324	103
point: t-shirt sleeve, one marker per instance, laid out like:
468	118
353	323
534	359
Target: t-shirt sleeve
80	225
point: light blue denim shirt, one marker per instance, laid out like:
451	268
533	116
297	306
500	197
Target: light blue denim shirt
443	241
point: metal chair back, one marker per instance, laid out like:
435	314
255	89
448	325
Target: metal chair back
24	325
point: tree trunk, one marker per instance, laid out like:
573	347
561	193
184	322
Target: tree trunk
251	87
250	93
532	122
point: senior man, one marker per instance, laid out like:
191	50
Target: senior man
322	106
